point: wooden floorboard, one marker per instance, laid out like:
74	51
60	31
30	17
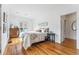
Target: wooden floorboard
70	43
43	48
50	48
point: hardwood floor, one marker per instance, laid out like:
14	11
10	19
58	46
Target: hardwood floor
49	48
43	48
70	43
14	47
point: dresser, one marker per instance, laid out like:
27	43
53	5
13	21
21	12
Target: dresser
15	42
14	32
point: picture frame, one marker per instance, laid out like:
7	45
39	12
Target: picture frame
4	17
4	22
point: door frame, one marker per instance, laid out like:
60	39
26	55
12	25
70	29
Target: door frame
61	26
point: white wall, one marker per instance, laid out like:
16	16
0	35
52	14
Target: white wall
53	23
16	20
5	36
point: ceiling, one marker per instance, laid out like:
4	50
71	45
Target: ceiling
31	10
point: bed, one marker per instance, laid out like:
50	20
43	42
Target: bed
32	37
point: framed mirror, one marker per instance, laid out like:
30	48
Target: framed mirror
74	26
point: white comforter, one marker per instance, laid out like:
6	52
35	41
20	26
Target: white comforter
27	40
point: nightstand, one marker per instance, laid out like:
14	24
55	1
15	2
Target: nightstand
51	37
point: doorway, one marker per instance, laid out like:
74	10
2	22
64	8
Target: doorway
68	30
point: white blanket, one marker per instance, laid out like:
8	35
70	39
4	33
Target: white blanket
29	38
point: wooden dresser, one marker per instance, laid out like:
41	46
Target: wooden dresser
14	32
14	46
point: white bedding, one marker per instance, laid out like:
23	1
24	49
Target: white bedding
28	41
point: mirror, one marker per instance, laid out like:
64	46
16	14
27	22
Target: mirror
74	26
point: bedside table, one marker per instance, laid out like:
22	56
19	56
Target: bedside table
51	37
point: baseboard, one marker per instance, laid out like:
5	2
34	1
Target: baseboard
70	38
5	50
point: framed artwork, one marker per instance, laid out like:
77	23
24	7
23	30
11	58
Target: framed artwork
43	24
4	17
4	22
